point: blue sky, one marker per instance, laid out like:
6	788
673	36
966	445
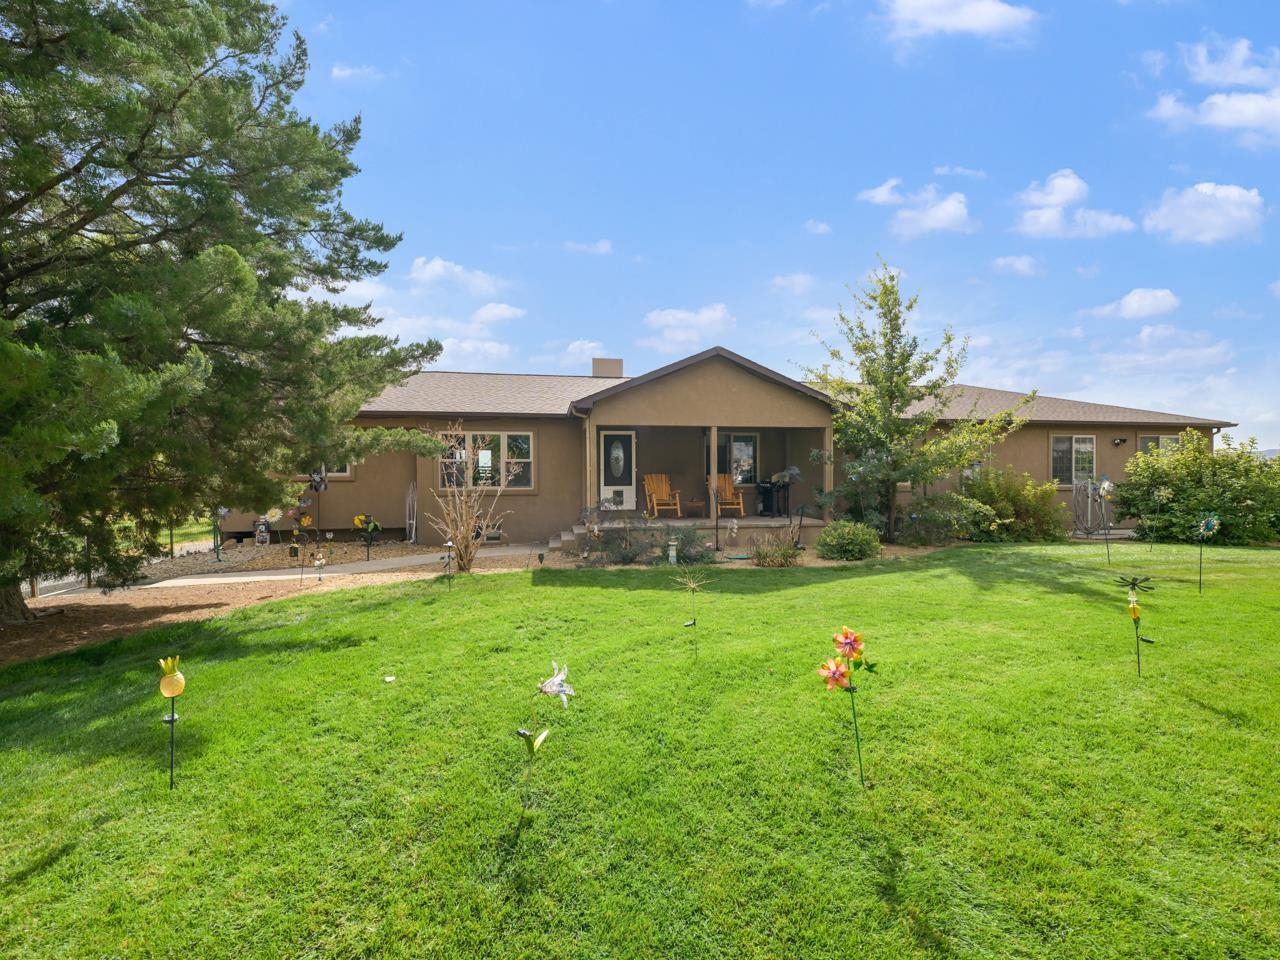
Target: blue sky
1084	188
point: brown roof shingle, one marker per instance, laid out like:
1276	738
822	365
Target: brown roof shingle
981	402
498	394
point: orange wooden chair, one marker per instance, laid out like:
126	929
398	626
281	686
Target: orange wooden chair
659	495
728	496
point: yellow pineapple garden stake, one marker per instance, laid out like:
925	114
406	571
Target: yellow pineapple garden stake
172	683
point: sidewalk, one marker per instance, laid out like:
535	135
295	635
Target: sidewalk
337	569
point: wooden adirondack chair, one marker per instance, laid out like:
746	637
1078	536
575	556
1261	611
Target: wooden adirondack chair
729	497
659	495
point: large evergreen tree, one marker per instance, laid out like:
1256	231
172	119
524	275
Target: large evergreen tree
163	212
889	395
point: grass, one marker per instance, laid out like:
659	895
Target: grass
1033	797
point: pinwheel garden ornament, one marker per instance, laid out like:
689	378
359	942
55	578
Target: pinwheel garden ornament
1136	585
1209	525
836	672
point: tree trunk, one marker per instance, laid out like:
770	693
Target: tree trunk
12	606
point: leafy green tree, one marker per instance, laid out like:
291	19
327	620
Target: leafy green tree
164	211
890	394
1170	490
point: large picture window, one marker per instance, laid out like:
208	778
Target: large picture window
1163	442
492	456
737	454
1073	459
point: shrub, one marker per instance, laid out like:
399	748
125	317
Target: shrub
942	517
1022	509
846	540
626	544
772	550
691	548
1171	488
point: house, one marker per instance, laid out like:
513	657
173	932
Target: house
569	444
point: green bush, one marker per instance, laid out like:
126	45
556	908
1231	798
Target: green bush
942	517
691	547
846	540
1022	510
1170	489
627	544
772	550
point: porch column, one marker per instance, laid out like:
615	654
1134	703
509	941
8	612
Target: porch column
589	441
713	505
828	468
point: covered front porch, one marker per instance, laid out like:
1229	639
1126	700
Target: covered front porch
729	534
771	471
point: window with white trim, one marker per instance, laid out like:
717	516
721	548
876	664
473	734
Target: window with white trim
1073	459
1162	442
491	456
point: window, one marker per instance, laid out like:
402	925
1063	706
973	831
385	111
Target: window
736	455
496	455
1072	459
1163	442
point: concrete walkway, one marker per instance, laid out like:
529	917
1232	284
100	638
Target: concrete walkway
338	569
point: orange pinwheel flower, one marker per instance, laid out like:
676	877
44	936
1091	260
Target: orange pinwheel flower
848	643
836	672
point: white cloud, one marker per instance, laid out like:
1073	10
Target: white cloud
948	171
599	248
468	354
1154	62
1206	213
1236	65
1255	116
1020	266
440	271
1089	271
324	24
884	195
817	227
920	18
492	313
686	331
1047	214
1062	188
930	214
794	283
1138	304
1165	348
580	352
341	71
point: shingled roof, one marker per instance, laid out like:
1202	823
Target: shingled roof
488	394
966	401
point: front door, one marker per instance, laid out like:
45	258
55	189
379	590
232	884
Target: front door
617	470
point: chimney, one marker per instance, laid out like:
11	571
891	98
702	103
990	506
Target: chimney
606	367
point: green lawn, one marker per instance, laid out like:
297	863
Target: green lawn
1032	797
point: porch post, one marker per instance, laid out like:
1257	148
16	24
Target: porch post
589	435
713	505
828	468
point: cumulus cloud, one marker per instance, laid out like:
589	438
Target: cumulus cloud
469	354
438	271
984	18
492	313
1252	114
1021	265
817	227
1052	210
580	352
948	171
599	248
797	284
1206	213
930	213
1137	304
884	195
342	71
1168	349
686	331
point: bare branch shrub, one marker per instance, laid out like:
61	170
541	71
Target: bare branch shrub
467	495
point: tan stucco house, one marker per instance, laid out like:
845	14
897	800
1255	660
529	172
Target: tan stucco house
573	443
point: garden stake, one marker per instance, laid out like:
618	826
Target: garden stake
1208	527
172	721
857	738
1135	613
172	683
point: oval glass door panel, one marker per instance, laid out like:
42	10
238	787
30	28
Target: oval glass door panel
617	459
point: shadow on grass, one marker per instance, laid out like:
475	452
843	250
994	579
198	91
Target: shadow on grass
39	865
985	568
891	871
